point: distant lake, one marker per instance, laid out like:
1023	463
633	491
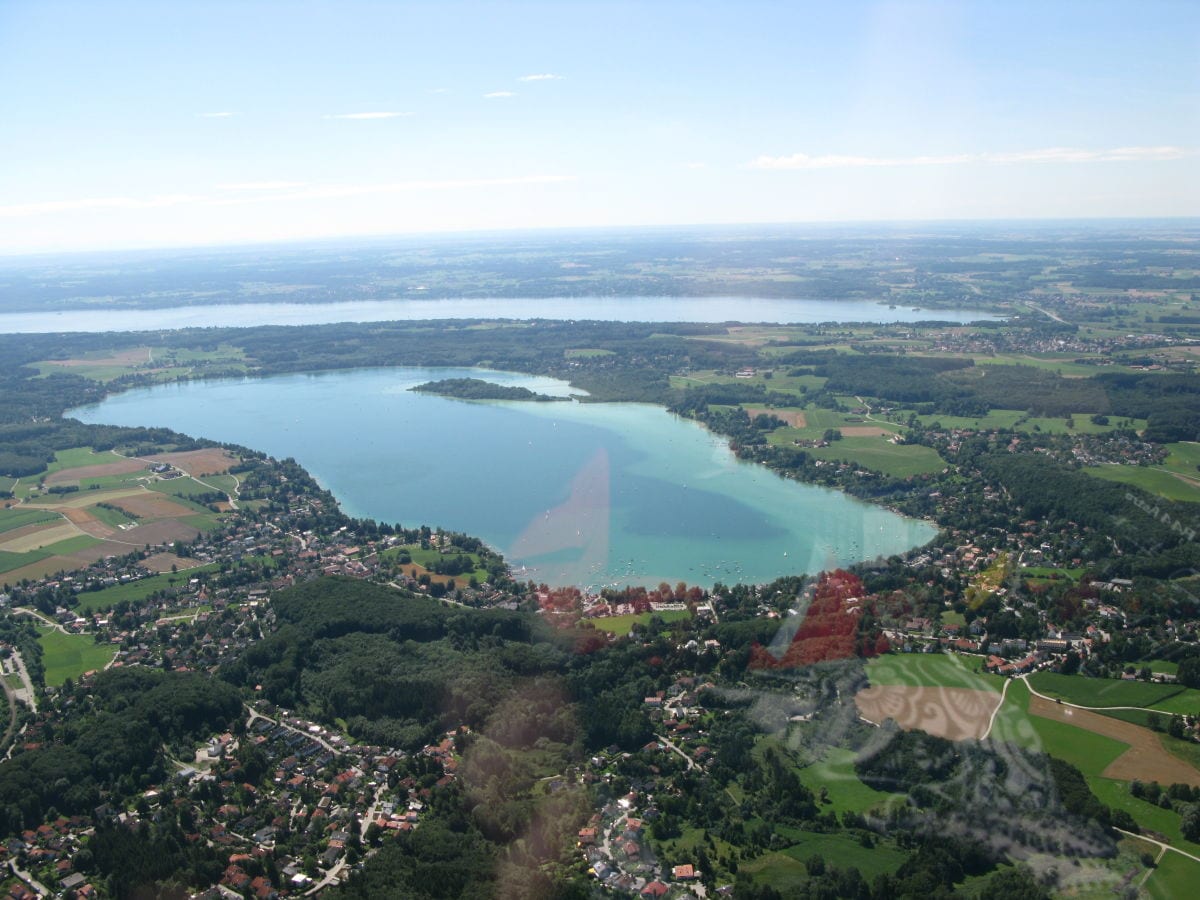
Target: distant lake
609	309
572	493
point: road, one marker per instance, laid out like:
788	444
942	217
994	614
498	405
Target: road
255	714
30	693
1038	693
36	885
1150	840
691	763
25	610
1046	312
999	706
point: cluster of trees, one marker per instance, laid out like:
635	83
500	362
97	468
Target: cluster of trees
478	389
113	746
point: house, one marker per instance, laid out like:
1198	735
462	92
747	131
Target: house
684	873
655	889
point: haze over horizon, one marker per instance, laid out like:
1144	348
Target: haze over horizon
132	124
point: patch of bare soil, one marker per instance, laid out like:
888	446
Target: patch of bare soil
953	713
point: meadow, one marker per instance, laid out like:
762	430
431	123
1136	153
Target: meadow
70	655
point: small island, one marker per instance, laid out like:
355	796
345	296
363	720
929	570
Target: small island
477	389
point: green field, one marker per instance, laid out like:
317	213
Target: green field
70	655
110	516
932	670
1184	458
181	487
1175	876
1113	692
136	591
426	558
1155	481
18	517
878	454
621	625
785	871
835	772
10	561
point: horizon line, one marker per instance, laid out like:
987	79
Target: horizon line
550	229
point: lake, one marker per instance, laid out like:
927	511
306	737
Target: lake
606	309
572	493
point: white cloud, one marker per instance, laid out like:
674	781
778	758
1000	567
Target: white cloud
215	115
261	185
498	95
544	76
370	115
265	192
800	161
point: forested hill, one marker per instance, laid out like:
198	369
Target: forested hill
478	389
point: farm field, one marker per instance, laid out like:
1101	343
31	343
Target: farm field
1155	481
1090	752
877	453
70	655
1101	692
932	670
21	517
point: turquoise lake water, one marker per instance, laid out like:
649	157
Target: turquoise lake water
572	493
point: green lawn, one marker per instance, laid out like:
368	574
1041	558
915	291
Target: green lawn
1155	481
1104	691
70	655
932	670
621	625
18	517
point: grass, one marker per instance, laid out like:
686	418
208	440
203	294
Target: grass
785	871
70	655
835	772
426	558
19	517
10	561
1103	691
932	670
623	624
1089	752
1155	481
1176	876
136	591
1184	458
185	487
879	455
226	483
111	516
1148	815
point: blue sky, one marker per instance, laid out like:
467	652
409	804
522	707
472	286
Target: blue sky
142	124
